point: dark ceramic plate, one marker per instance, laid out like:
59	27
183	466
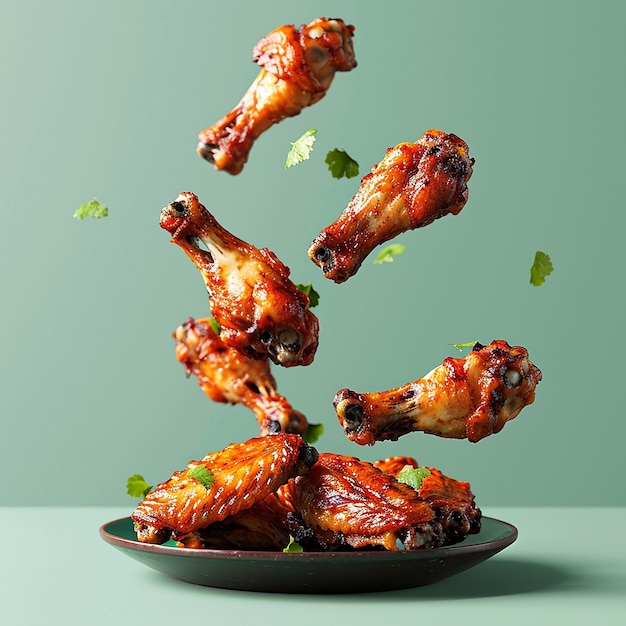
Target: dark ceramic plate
315	572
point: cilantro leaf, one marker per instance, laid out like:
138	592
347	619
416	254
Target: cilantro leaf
203	475
340	164
413	476
313	433
314	297
93	208
541	267
137	487
386	255
301	148
461	346
293	546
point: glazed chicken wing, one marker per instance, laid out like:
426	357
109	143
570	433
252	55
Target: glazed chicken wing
344	502
243	474
259	309
470	397
413	185
298	66
264	526
452	501
227	375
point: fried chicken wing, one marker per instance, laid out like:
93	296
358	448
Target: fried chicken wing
298	66
413	185
344	502
243	474
452	501
259	309
470	397
264	526
227	375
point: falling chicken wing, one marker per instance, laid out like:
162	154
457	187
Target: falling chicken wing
227	375
413	185
344	502
452	501
242	474
470	397
298	66
259	309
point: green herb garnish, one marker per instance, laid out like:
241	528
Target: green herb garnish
313	433
137	487
202	475
461	346
386	255
541	267
293	546
301	148
341	164
93	208
413	476
215	325
314	297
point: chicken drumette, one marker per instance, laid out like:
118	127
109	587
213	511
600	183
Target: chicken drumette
241	475
470	397
298	66
260	310
413	185
227	375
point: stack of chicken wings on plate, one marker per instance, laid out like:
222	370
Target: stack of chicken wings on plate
274	488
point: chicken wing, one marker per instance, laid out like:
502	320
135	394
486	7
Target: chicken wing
242	475
227	375
413	185
344	502
298	66
470	397
260	311
452	501
264	526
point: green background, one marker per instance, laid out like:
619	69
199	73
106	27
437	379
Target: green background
106	100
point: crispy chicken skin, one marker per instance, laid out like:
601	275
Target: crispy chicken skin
227	375
298	66
470	397
259	309
451	500
243	474
344	502
413	185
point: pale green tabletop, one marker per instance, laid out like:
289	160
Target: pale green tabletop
568	566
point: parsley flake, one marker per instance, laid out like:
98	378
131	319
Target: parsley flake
313	433
301	148
93	208
413	476
203	475
314	297
341	164
461	346
137	487
541	267
293	546
386	255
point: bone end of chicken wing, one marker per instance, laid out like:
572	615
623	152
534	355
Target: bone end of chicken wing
298	66
463	398
412	186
